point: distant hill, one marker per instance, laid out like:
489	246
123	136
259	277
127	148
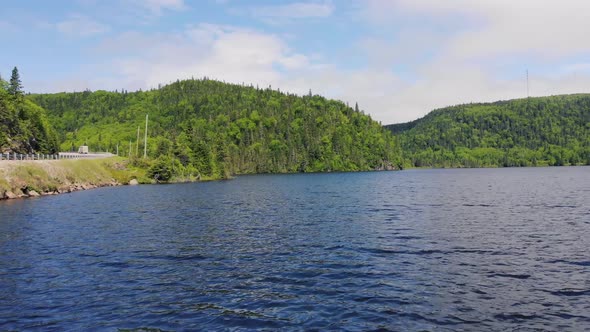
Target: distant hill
398	128
215	129
24	127
523	132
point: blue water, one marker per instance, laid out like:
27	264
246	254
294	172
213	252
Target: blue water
435	250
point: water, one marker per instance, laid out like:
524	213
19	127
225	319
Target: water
436	250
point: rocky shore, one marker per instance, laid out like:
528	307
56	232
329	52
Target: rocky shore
24	179
26	193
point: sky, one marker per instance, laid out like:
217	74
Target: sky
399	59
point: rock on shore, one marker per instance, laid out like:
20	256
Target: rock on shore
5	194
24	179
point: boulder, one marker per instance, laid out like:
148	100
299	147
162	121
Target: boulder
133	182
33	193
10	195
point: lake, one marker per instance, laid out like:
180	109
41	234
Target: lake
444	250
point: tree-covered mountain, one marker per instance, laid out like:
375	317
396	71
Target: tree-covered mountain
24	127
213	129
524	132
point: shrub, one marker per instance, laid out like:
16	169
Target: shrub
162	169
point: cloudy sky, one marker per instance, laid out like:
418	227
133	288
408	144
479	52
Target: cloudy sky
398	59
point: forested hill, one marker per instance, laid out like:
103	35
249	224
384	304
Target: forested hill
214	128
24	127
524	132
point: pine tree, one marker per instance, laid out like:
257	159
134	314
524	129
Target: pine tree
15	88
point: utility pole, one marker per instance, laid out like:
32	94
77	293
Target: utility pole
137	143
117	149
145	140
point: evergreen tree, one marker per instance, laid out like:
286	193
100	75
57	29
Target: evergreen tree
15	87
24	127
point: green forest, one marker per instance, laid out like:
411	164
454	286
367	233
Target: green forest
24	126
539	131
209	129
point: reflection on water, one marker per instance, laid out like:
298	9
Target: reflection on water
474	249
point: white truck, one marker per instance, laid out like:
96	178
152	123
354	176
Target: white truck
83	149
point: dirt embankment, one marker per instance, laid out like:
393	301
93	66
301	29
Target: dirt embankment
19	179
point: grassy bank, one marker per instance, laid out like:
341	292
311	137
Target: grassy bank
28	178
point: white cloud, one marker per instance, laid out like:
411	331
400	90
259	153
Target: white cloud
81	26
276	14
552	29
372	89
222	52
496	27
297	61
486	47
420	55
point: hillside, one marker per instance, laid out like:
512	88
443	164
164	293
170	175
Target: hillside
48	177
524	132
24	127
212	129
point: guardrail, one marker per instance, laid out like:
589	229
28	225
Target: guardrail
61	155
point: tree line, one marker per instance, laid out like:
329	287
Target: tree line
524	132
213	129
210	129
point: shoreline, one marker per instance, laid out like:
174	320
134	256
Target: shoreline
9	195
29	179
55	177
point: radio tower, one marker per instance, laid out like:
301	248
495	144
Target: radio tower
527	83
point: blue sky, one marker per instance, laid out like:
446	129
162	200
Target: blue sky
398	59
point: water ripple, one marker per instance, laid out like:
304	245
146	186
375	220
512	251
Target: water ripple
428	250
